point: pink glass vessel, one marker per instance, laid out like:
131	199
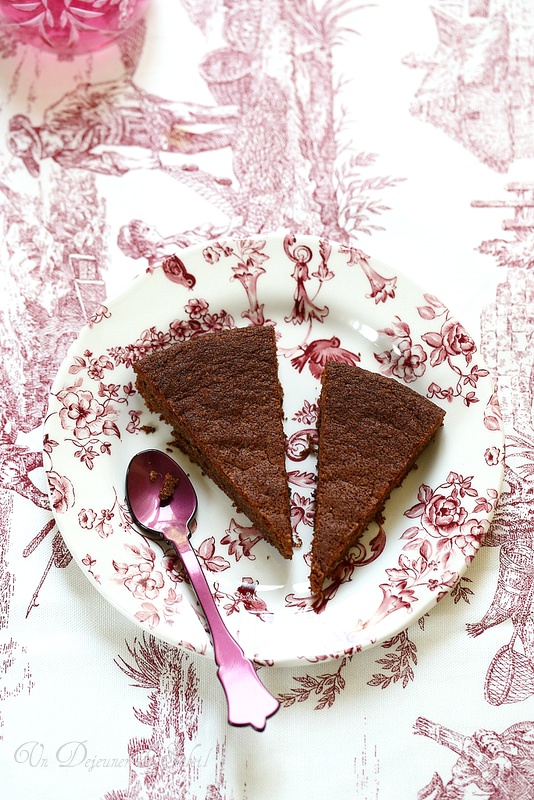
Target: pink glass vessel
69	27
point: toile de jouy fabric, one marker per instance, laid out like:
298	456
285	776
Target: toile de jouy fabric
404	130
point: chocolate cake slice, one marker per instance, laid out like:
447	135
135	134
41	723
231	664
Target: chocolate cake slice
221	395
371	431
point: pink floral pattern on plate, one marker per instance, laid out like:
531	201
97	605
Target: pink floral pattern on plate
326	301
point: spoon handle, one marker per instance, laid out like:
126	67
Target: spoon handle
249	702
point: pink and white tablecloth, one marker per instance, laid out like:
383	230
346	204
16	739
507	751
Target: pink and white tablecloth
404	131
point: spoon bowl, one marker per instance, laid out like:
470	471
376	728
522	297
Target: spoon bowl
144	479
162	501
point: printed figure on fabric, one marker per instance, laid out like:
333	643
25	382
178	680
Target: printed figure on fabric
505	327
475	84
115	114
489	765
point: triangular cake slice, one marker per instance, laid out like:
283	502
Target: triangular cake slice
221	395
371	431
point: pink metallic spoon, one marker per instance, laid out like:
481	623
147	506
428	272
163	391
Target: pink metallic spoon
168	520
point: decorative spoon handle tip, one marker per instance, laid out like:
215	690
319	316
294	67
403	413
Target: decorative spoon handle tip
249	702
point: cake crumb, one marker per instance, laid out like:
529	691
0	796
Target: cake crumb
168	487
148	428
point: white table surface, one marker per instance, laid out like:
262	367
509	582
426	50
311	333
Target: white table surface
437	106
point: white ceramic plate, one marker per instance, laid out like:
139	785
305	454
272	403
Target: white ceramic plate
327	301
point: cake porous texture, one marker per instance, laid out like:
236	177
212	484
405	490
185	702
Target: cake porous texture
221	395
371	430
